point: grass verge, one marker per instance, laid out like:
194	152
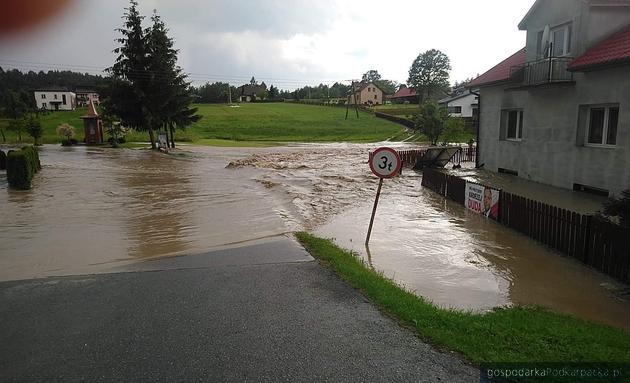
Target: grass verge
517	334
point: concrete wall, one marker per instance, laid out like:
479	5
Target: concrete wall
552	149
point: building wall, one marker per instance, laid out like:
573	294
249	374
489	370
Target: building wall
552	149
375	95
49	100
467	106
590	24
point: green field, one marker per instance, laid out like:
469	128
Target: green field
251	124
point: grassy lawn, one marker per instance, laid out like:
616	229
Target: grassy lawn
250	125
517	334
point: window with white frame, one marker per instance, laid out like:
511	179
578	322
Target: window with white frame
602	125
560	37
512	124
43	96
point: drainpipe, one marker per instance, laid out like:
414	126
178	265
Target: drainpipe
478	125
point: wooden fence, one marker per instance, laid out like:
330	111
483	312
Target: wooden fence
409	157
467	154
590	239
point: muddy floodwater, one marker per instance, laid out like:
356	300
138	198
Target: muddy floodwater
94	210
97	210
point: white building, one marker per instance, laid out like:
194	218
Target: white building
461	105
55	99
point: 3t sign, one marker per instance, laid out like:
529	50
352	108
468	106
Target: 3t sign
384	163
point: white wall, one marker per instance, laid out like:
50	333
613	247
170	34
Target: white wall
466	104
47	100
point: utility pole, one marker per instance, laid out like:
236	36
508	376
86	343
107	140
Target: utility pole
229	94
356	106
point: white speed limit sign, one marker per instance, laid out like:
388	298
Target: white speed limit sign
385	162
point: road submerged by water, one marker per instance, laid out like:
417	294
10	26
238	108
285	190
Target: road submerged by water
98	210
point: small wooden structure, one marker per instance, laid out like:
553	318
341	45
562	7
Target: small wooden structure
93	126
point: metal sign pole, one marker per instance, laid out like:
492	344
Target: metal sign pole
378	194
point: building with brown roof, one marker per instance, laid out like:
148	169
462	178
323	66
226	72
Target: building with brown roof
366	93
558	111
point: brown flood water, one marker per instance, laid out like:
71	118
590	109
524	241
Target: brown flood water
94	210
434	246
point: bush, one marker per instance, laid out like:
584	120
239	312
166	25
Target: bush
3	160
33	157
34	129
69	142
19	172
619	207
21	166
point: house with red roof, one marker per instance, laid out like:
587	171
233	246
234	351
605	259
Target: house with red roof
403	95
558	110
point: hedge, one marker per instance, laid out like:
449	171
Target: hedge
3	160
21	166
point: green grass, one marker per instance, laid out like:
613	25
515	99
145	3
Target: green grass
250	124
517	334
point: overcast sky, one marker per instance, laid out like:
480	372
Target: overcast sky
289	43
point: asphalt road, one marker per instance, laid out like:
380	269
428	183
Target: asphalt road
266	312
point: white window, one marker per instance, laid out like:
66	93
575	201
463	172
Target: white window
602	125
44	96
512	124
375	97
560	37
55	96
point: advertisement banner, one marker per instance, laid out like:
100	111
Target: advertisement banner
482	200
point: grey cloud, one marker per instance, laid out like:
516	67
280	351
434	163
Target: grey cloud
274	18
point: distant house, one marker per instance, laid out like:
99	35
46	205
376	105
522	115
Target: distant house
248	93
84	96
404	95
558	111
461	105
366	93
55	99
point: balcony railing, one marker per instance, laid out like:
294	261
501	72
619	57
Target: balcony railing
545	71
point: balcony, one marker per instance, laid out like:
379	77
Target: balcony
551	70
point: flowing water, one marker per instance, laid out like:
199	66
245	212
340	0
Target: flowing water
95	210
91	210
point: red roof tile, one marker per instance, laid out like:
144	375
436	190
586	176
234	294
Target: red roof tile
404	92
613	50
501	71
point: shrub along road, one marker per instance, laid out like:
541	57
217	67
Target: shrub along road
265	312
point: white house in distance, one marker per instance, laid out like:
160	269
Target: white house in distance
558	111
461	105
55	99
366	93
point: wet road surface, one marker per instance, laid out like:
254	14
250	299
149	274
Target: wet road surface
265	312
